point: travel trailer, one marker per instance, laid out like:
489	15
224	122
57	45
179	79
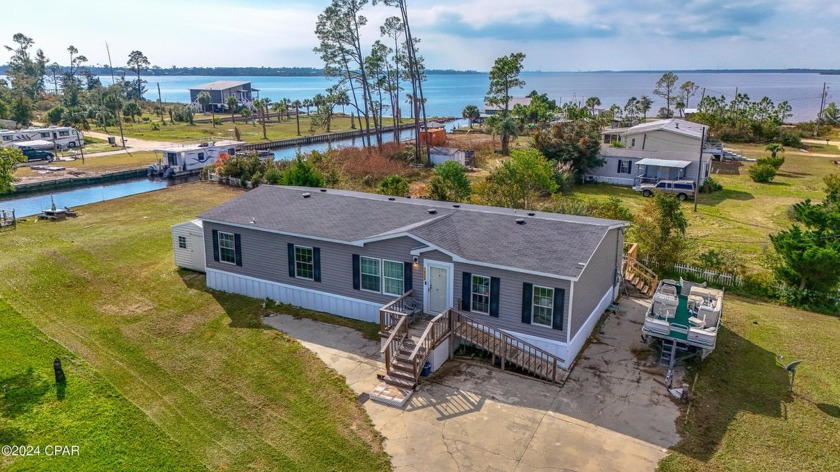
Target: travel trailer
53	137
191	158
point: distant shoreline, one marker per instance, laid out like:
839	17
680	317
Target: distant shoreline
315	72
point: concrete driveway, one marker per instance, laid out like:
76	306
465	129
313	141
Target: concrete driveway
610	414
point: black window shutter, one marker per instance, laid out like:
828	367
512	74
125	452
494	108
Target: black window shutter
408	273
527	294
619	166
557	316
357	276
466	291
216	245
237	247
494	296
316	263
291	250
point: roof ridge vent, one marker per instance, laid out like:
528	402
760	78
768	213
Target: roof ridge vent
391	199
432	211
323	190
306	195
456	206
531	213
520	221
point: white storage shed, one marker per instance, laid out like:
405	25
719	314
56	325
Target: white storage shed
188	245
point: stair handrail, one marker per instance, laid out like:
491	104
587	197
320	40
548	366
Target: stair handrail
393	344
394	309
534	351
436	330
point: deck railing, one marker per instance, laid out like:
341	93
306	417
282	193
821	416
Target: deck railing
392	313
509	348
436	331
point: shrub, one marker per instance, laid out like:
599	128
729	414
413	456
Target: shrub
789	138
450	183
155	127
565	181
217	121
775	162
711	185
55	114
302	174
832	185
394	185
762	173
274	176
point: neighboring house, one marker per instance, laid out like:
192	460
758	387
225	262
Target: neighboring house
490	110
659	150
439	155
222	89
544	278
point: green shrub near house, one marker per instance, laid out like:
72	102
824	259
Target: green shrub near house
762	173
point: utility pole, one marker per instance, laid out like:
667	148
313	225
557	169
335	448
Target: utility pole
119	117
160	104
703	94
699	168
820	114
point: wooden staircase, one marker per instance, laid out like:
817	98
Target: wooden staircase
637	275
509	349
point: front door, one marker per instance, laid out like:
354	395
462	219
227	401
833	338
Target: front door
438	289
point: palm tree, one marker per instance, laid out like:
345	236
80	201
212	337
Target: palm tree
204	99
279	108
261	105
471	113
591	103
505	128
232	104
296	104
775	149
246	113
307	103
409	99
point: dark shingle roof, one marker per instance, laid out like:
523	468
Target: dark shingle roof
549	242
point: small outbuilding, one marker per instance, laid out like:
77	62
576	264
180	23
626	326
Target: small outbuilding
188	245
435	137
439	155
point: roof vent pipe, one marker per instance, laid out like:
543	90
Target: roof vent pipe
306	195
456	206
432	211
531	214
391	199
520	221
323	190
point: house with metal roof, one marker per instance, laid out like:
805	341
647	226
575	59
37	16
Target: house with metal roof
528	286
668	149
219	92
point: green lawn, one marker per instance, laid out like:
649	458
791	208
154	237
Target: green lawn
101	164
199	364
88	412
249	132
742	417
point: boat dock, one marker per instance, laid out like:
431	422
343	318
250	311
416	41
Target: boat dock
7	219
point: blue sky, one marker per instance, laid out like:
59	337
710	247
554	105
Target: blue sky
464	34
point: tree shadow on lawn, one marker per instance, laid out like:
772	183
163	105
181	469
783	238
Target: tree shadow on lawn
716	198
738	377
21	393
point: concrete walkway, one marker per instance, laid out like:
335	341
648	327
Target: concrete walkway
610	415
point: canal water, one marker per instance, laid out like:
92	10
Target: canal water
32	204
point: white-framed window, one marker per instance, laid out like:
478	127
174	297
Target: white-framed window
45	134
480	301
393	273
182	242
304	263
543	306
7	138
64	133
227	248
371	274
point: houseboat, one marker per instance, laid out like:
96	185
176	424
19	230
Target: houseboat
53	137
685	317
188	159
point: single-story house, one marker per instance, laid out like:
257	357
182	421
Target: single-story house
660	150
544	278
439	155
219	92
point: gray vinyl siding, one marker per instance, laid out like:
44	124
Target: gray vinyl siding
597	277
265	256
510	300
610	169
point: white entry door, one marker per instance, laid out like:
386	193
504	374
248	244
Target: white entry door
438	286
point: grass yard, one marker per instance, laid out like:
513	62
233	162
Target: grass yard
101	164
742	417
201	366
741	216
88	412
249	132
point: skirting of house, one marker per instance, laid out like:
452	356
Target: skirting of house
569	351
611	180
302	297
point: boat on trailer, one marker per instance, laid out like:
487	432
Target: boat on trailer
685	317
